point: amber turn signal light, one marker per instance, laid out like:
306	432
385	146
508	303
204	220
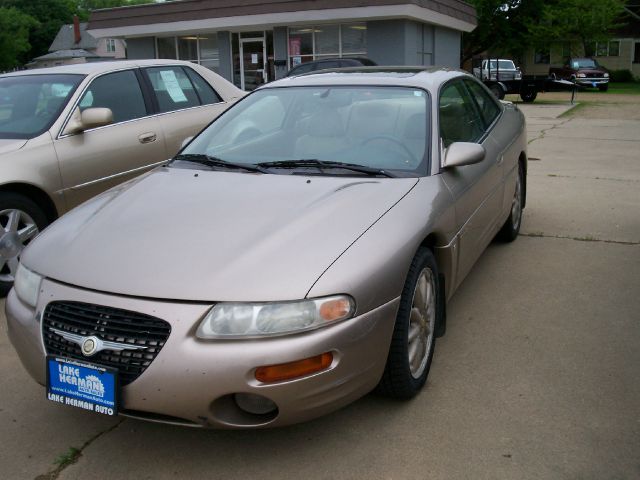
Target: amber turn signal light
299	368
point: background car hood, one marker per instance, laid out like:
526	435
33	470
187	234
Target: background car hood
11	145
199	235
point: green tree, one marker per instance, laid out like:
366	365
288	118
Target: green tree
14	36
586	21
50	15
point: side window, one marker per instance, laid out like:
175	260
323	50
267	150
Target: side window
205	92
459	120
488	107
119	91
172	88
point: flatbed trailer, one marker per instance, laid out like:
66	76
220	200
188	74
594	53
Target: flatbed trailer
529	86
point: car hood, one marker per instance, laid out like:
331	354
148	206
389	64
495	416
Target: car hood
11	145
205	236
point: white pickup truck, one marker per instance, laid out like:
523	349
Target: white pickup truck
497	69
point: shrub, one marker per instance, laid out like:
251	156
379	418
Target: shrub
621	76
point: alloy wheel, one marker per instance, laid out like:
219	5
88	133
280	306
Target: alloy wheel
17	229
516	204
422	322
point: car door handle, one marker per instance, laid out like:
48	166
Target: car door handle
147	137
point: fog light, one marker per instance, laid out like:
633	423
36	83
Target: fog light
255	404
288	371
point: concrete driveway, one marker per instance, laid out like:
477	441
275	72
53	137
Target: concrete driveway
537	377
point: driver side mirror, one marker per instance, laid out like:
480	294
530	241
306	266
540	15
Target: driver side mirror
88	119
459	154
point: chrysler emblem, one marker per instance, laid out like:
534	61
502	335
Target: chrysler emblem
89	346
92	345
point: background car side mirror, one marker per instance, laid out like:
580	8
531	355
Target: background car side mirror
87	119
459	154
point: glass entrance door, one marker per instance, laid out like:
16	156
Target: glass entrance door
252	63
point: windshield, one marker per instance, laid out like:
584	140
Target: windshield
503	64
584	63
29	104
373	127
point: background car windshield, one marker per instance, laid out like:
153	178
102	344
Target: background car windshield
585	63
503	64
30	103
379	127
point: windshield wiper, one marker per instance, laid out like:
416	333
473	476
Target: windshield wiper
314	162
210	161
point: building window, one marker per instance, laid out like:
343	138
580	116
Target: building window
566	50
607	49
542	55
636	53
111	45
308	43
201	49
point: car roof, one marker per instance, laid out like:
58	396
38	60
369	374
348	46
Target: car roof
422	77
91	68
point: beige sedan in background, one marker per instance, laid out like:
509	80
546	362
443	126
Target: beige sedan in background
68	133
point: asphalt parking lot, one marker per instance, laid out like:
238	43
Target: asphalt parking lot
537	377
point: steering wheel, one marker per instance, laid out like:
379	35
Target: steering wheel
411	159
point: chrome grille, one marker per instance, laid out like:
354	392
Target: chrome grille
110	324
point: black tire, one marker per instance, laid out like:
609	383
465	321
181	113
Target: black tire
15	201
528	96
511	228
603	88
398	380
497	91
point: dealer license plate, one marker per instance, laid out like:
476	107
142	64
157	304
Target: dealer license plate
82	385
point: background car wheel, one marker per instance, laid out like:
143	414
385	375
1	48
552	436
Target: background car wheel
603	88
20	221
529	95
414	334
511	227
497	91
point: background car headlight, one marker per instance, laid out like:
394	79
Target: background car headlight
27	285
606	75
581	75
235	320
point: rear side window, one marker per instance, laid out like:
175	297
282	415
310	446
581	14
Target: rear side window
459	120
205	92
486	103
173	88
118	91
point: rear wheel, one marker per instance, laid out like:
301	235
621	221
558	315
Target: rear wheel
511	227
20	221
414	334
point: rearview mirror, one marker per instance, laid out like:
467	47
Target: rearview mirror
88	119
459	154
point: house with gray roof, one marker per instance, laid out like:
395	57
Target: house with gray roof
74	44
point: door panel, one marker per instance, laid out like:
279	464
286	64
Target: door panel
478	188
98	159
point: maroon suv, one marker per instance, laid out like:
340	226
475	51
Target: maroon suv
584	71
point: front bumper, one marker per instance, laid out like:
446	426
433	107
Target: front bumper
192	381
592	82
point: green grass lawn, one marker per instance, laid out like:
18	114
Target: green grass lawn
628	88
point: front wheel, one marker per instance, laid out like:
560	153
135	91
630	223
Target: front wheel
497	91
414	334
603	88
511	227
528	95
20	221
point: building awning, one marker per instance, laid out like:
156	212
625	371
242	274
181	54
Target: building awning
195	16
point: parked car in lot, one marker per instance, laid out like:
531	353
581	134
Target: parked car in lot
583	71
330	63
68	133
265	279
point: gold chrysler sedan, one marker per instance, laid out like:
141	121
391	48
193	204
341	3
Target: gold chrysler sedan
68	133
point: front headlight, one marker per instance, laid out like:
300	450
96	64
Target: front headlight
581	75
606	75
27	285
241	320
